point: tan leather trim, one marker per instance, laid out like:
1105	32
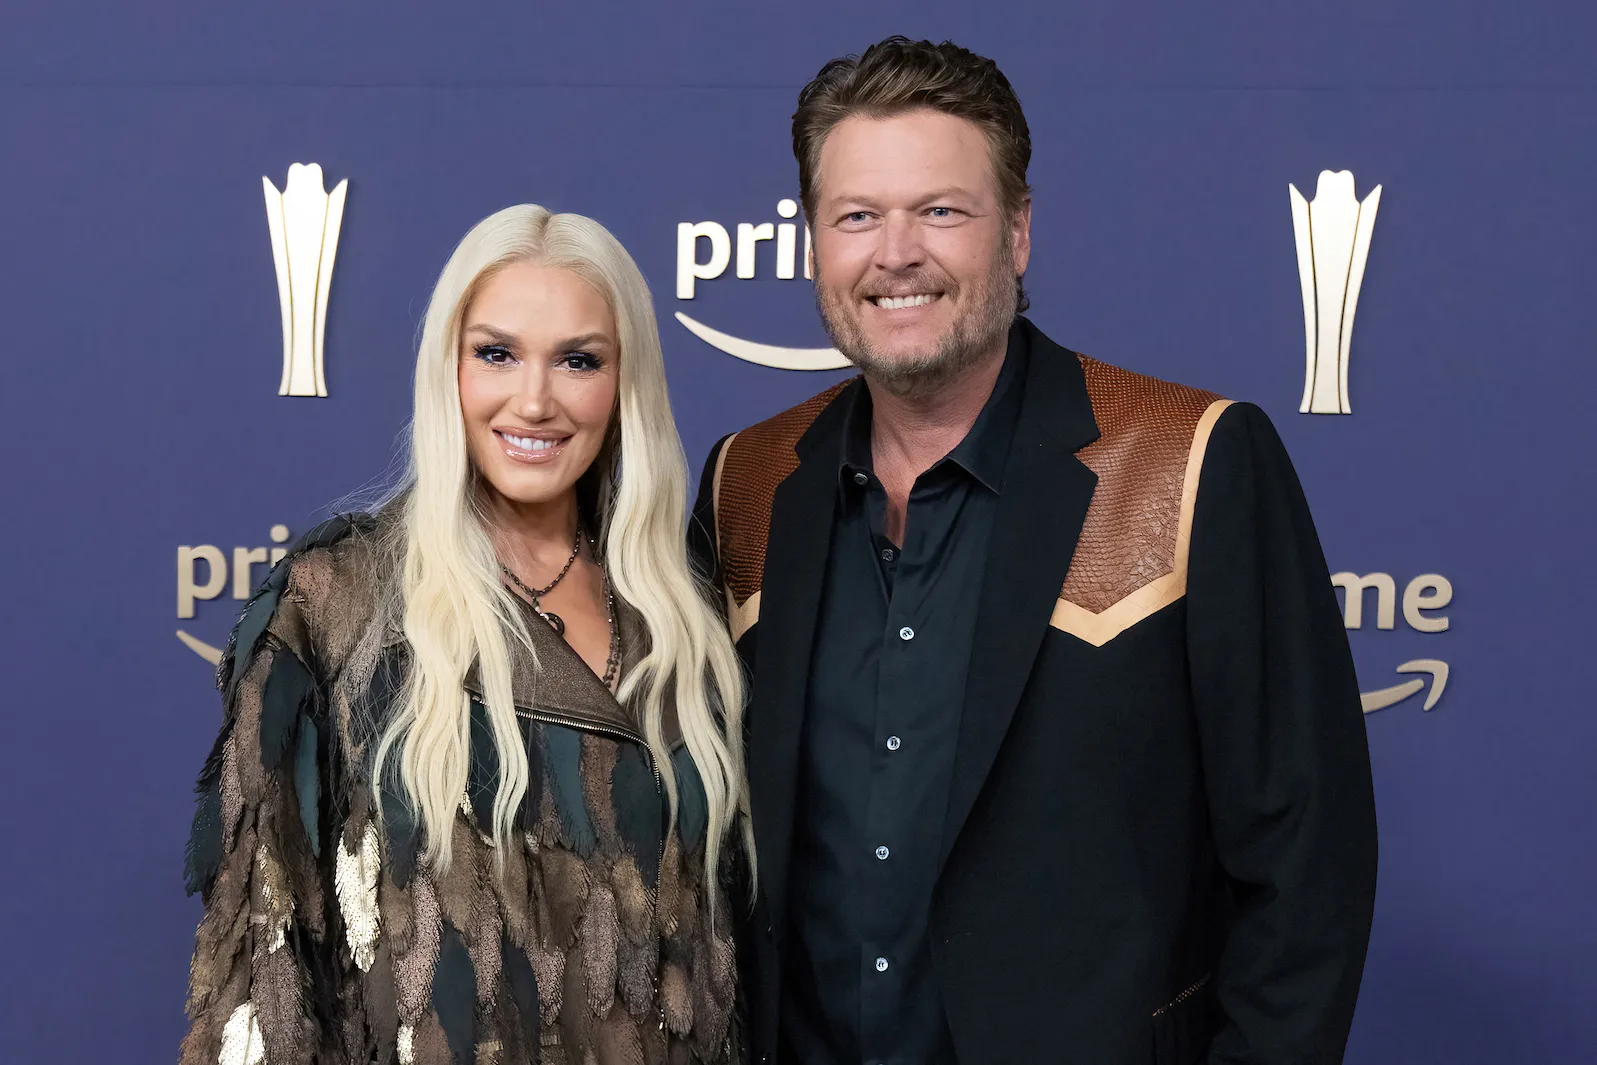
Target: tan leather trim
741	619
715	489
1098	629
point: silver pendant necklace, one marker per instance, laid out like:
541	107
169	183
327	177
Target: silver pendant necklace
535	594
613	661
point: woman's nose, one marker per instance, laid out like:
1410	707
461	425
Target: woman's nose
534	401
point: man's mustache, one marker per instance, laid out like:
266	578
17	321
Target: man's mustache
906	285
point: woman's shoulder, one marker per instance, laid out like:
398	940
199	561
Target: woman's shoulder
319	598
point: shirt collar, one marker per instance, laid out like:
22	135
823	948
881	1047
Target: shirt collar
983	451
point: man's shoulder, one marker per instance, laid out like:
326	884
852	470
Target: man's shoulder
746	470
755	460
1127	403
1130	558
779	434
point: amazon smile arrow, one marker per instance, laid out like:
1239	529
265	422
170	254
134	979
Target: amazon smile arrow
1380	700
771	355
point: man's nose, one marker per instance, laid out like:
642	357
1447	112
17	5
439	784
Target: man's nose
900	247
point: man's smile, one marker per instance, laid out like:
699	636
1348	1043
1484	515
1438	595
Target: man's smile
896	303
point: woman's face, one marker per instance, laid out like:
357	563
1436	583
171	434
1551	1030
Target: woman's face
538	379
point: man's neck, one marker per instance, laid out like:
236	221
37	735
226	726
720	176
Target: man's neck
911	432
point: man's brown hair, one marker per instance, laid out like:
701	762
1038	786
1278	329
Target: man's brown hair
898	75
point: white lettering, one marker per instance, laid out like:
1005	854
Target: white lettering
1354	586
1428	591
188	586
786	240
689	269
243	559
786	236
280	535
748	236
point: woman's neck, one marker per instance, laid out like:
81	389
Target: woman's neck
533	535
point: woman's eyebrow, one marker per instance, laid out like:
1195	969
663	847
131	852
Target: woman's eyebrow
498	336
586	340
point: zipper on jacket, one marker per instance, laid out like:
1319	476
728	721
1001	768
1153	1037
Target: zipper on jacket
1179	999
584	725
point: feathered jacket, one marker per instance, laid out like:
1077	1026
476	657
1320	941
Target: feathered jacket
327	938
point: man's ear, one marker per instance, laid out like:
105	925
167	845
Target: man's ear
1020	235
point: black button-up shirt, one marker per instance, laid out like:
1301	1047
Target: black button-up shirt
886	694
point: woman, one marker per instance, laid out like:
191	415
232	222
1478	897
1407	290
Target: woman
475	774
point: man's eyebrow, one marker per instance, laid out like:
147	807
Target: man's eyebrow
949	192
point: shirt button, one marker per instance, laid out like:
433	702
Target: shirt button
893	743
862	478
887	554
881	852
906	633
881	965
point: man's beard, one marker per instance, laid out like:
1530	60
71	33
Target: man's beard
973	334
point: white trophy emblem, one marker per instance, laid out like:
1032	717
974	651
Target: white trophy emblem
304	220
1333	238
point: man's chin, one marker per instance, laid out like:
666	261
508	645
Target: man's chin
899	366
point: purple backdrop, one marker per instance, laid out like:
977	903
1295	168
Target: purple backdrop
141	412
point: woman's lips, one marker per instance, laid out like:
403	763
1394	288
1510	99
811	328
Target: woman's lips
531	449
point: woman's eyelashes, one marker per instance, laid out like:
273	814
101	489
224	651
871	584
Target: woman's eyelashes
581	361
495	354
577	361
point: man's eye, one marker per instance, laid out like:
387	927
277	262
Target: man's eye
942	212
856	216
582	361
495	354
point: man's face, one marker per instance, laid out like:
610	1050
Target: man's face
915	262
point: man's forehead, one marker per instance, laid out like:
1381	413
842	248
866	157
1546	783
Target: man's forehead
920	152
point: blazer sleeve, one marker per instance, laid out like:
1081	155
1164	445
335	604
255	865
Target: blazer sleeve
1285	762
703	549
267	981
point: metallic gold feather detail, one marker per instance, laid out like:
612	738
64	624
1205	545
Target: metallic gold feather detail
232	792
599	936
407	1045
413	970
550	968
355	878
676	1002
241	1039
276	904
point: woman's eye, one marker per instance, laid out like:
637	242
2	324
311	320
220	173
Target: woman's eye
495	354
581	361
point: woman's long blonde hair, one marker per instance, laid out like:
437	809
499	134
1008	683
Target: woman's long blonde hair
455	609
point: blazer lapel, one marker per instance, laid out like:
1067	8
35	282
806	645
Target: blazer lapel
795	563
1041	507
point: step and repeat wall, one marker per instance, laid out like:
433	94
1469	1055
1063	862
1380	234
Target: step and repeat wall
1374	219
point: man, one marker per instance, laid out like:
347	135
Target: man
1055	747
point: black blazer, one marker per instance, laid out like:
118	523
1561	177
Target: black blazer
1160	842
